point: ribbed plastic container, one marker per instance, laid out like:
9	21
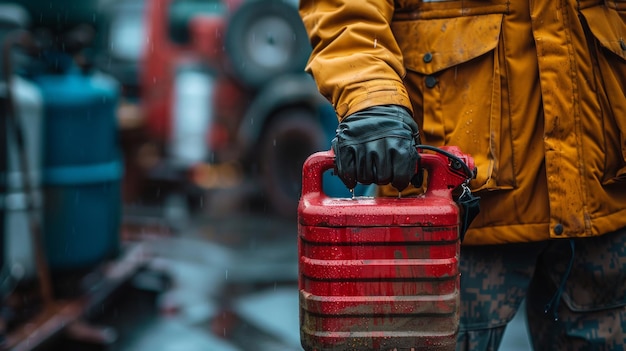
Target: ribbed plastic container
379	273
82	169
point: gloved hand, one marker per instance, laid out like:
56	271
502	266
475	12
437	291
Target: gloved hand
377	145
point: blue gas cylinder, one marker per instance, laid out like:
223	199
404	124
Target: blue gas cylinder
82	167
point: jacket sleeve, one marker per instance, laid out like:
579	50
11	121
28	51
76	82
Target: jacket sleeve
355	59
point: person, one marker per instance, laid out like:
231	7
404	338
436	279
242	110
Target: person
535	92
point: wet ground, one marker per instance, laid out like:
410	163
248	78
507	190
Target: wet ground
222	278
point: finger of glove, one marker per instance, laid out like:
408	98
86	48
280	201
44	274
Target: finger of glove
382	161
345	162
418	179
375	165
404	162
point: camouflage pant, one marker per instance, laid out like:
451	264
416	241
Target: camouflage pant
587	313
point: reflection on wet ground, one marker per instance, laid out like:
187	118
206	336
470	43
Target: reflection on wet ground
232	285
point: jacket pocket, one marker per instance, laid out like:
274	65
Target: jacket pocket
454	79
608	44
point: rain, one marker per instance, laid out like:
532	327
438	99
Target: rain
151	173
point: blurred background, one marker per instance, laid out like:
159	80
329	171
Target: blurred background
150	172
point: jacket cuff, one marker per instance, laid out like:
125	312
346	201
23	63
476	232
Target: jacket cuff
372	94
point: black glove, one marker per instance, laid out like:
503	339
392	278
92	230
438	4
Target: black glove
377	145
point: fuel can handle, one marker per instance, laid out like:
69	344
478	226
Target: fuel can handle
447	167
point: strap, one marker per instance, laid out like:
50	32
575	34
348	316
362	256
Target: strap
470	207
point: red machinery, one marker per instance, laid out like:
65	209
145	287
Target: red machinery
223	88
380	273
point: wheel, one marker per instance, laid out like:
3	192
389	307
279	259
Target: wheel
264	39
291	137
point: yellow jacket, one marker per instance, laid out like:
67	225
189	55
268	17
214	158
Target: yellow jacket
533	90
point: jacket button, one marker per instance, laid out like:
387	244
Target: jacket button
431	81
558	229
429	57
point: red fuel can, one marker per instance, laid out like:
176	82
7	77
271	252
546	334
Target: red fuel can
380	273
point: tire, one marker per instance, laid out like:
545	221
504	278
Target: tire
264	39
291	137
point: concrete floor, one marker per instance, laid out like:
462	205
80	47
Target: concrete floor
516	334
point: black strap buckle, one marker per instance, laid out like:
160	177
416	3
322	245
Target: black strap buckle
470	207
